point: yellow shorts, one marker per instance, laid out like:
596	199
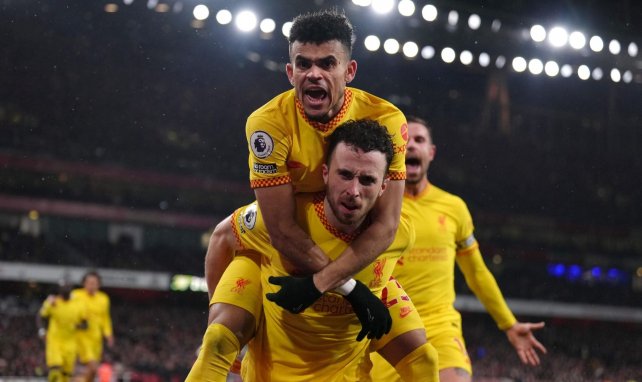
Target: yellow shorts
405	318
446	336
61	354
90	347
240	284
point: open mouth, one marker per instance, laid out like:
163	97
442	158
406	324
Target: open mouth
350	207
413	162
316	96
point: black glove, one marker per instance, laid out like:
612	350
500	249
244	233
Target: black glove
296	293
373	314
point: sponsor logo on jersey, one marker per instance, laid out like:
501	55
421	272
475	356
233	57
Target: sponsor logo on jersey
261	144
264	168
249	216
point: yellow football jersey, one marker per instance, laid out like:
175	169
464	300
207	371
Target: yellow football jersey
64	317
444	228
99	319
286	147
319	343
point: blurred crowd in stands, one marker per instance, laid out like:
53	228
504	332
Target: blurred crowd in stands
157	340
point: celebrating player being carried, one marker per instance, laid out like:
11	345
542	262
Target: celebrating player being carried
444	229
319	343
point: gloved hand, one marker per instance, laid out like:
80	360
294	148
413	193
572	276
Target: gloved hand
296	293
371	311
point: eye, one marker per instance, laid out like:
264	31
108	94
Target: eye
367	180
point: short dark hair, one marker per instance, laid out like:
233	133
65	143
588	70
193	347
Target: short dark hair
421	121
322	26
365	134
91	273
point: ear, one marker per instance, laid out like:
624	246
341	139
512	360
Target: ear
384	185
325	171
432	153
289	70
351	71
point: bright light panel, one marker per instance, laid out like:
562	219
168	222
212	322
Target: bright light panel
519	64
566	71
577	40
267	26
474	21
615	75
614	47
201	12
406	8
596	44
285	29
224	17
453	17
484	59
466	57
538	33
535	66
558	37
583	72
551	69
496	25
633	49
410	49
427	52
500	62
372	43
391	46
246	21
448	55
597	74
383	6
429	12
362	3
627	76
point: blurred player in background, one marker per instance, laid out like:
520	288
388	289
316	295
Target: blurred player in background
64	319
444	235
90	342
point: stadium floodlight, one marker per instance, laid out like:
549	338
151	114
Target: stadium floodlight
448	55
538	33
474	21
453	17
484	59
500	62
391	46
583	72
633	49
577	40
615	75
566	70
267	26
372	43
246	21
151	4
614	47
111	7
551	69
597	74
285	29
128	2
627	76
427	52
410	49
496	25
224	17
596	44
406	7
383	6
558	37
429	12
201	12
466	57
535	66
519	64
362	3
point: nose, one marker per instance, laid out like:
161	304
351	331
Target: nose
354	188
314	73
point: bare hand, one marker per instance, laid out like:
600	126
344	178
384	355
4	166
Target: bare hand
521	337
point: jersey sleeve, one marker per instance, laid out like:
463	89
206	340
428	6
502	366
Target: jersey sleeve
45	309
249	229
464	237
398	129
107	328
269	147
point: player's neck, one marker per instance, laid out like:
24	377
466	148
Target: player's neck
414	189
346	229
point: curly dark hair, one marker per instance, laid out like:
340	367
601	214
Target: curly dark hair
322	26
365	134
